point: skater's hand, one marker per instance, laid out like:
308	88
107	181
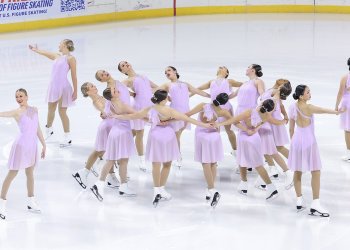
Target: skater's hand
75	95
43	151
103	115
251	131
33	47
342	110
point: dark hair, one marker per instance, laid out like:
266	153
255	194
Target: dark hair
120	68
159	96
84	89
257	69
107	94
285	90
23	91
221	99
69	44
267	106
96	75
349	63
299	90
173	68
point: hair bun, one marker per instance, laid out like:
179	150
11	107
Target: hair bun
154	99
349	62
216	103
295	97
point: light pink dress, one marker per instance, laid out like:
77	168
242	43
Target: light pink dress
208	144
303	154
345	103
162	144
59	86
143	91
24	151
247	97
180	100
249	147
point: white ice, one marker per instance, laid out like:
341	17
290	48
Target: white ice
304	48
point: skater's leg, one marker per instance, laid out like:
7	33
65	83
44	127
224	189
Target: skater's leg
283	150
315	184
231	136
164	174
297	183
30	181
52	106
7	182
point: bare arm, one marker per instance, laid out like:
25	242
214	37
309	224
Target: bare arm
204	86
42	141
194	90
50	55
153	85
260	85
274	121
12	113
284	112
195	110
234	83
291	127
319	110
340	92
233	94
138	115
73	71
237	119
179	116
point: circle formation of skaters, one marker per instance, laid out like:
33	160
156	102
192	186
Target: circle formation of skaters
127	106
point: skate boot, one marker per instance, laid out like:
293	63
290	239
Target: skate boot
3	209
142	164
112	181
94	172
272	192
289	181
32	205
300	204
237	171
317	209
260	184
49	132
124	190
216	197
98	190
178	162
346	157
243	187
81	177
273	172
164	194
67	141
156	196
208	196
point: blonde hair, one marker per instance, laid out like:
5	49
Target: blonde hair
23	91
84	89
280	82
69	43
97	77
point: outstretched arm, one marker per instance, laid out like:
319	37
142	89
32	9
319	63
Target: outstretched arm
234	83
274	121
73	70
194	90
195	110
319	110
153	85
50	55
12	113
340	91
236	119
179	116
233	94
138	115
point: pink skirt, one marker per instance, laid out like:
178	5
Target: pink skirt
162	144
208	146
56	92
345	117
24	153
303	154
102	134
249	150
268	146
280	135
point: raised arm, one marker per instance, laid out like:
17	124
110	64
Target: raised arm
73	71
194	90
234	83
50	55
319	110
153	85
195	110
340	91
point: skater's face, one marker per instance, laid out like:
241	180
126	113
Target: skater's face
124	66
115	92
62	47
91	89
307	94
250	71
103	75
222	70
170	73
21	98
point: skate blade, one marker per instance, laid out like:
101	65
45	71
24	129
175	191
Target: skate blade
79	181
156	200
207	199
97	195
289	186
34	211
272	196
314	212
243	192
111	186
3	217
122	194
165	199
215	200
260	187
143	170
302	208
49	136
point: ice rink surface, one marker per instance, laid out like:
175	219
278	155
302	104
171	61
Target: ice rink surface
304	48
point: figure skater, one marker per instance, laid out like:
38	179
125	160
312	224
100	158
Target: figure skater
60	92
24	151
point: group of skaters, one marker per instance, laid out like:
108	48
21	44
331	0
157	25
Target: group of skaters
127	107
